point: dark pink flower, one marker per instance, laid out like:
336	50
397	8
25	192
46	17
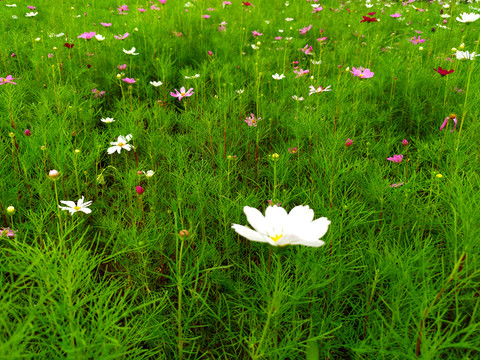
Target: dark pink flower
404	142
445	122
304	30
256	33
28	132
396	158
348	142
139	190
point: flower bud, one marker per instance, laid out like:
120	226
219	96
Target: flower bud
53	174
348	142
183	233
11	210
139	190
28	132
404	142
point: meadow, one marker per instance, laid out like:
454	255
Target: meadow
142	142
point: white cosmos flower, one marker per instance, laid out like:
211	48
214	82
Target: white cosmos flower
278	77
296	98
289	19
73	208
13	5
468	18
278	228
240	91
465	55
319	89
130	52
107	120
31	14
192	77
149	173
15	17
120	144
99	37
156	83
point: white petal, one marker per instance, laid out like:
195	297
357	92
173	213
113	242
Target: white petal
249	233
318	228
257	220
277	218
86	210
80	202
300	216
68	203
127	147
128	137
112	149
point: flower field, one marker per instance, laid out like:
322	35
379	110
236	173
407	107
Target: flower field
239	180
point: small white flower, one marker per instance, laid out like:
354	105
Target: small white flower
15	17
149	173
122	143
446	6
368	5
240	91
107	120
31	14
278	228
280	31
468	18
315	6
13	5
99	37
296	98
319	89
130	52
316	62
278	77
254	47
37	39
189	4
465	55
289	38
73	208
156	83
445	16
267	22
192	77
289	19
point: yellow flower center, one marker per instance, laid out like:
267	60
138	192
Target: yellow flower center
182	94
121	144
361	75
77	208
276	237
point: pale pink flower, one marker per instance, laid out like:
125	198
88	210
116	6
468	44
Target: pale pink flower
256	33
396	15
300	72
304	30
182	93
252	121
122	67
362	73
8	80
121	37
106	24
142	10
319	89
129	81
87	35
205	16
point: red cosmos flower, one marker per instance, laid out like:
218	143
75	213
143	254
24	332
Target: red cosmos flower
443	72
371	14
368	19
69	45
246	3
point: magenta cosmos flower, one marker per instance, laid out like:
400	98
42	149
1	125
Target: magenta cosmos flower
87	35
396	158
445	122
130	81
362	73
415	41
182	93
8	80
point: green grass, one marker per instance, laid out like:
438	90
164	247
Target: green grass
398	277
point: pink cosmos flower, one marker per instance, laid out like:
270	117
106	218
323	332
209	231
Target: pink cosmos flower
396	158
396	185
162	2
122	67
404	142
153	7
87	35
307	50
300	72
252	121
226	3
278	38
348	142
222	28
306	29
129	81
210	53
210	9
205	16
122	9
322	39
121	37
106	24
98	93
142	10
362	73
319	89
31	7
445	122
7	232
396	15
256	33
8	80
182	93
415	41
317	9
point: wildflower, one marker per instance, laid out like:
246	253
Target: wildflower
7	232
98	93
205	16
307	50
106	24
107	120
192	77
362	73
210	53
10	210
270	203
445	122
296	98
396	15
443	72
348	143
139	190
130	52
69	46
304	30
289	19
404	142
300	72
322	38
28	132
99	37
79	206
256	33
439	175
415	41
121	37
239	91
278	228
31	14
252	121
293	150
142	10
319	89
129	81
122	143
149	173
396	185
368	19
87	35
278	77
225	3
122	9
396	158
465	55
246	3
468	18
156	83
31	7
182	93
316	8
8	80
